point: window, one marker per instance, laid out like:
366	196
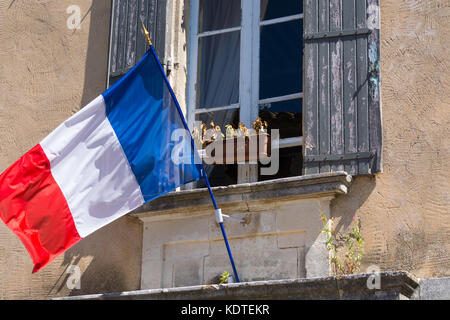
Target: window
245	61
310	68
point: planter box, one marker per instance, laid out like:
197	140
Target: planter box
238	149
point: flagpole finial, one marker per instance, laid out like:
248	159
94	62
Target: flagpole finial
147	35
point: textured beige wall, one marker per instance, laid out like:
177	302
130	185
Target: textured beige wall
405	211
47	73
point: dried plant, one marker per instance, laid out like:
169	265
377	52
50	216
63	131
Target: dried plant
347	260
204	135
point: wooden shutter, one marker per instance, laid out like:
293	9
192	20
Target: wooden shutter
128	43
342	112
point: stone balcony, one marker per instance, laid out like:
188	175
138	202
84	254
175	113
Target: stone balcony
280	239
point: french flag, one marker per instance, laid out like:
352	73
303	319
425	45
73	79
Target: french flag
106	160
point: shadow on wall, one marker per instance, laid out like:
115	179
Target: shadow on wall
110	258
97	51
345	207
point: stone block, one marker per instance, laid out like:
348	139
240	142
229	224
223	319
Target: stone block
253	242
254	265
317	259
187	272
152	274
181	250
291	239
434	289
172	230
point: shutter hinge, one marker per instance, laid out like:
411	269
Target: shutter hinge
339	157
167	67
336	34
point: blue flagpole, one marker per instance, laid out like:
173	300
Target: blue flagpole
220	220
217	210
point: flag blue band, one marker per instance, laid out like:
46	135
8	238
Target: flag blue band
144	114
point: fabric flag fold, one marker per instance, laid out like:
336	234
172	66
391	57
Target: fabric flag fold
111	157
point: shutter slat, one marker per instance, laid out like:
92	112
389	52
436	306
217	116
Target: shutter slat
160	34
130	50
374	99
141	46
362	88
350	99
114	37
324	84
337	113
342	113
128	44
152	17
311	87
123	17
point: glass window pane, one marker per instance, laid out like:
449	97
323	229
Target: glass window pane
290	164
285	116
220	118
281	59
218	74
219	175
271	9
219	14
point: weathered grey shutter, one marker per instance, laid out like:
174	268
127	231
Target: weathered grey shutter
342	112
128	43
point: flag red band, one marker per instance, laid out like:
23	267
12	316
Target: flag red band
33	206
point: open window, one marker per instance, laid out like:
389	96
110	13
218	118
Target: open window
309	68
245	61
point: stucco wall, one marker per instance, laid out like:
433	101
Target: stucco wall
47	73
405	211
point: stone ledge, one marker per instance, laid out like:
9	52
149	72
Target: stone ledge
434	289
394	286
301	187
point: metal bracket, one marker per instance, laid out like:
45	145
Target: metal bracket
234	218
339	157
168	66
220	216
336	34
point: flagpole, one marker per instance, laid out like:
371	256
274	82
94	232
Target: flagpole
219	219
218	211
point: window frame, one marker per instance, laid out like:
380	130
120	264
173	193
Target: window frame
249	100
